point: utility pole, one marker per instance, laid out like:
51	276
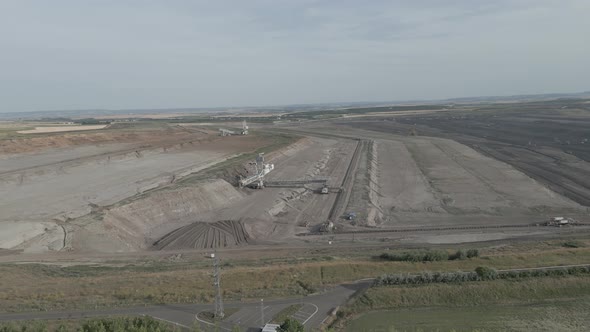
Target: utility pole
217	278
261	312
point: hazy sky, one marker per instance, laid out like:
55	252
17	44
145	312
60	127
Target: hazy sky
79	54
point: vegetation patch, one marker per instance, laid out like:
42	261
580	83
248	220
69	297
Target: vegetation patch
117	324
572	244
480	273
450	289
429	255
119	283
210	317
309	289
286	313
552	315
454	298
291	325
416	256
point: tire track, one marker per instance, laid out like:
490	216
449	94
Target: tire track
202	235
343	196
427	229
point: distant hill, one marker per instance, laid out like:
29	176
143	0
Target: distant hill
89	113
534	97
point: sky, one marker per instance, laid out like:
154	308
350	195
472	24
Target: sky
125	54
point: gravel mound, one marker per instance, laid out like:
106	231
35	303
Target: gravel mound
203	235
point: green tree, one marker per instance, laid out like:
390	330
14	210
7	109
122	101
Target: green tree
291	325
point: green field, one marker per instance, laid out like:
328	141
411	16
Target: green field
562	315
124	283
533	304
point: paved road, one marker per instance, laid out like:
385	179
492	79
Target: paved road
248	316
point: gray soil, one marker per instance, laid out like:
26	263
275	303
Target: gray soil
463	169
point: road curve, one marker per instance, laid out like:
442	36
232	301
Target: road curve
184	315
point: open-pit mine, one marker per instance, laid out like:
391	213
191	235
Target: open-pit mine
434	176
149	214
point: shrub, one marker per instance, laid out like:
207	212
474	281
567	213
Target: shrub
480	273
486	273
416	256
560	272
540	273
306	287
429	255
459	255
291	325
576	270
472	253
131	324
435	255
572	244
424	278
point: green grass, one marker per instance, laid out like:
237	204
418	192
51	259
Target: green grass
477	293
558	315
49	287
11	133
456	306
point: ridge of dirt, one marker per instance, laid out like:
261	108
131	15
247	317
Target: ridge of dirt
375	212
204	235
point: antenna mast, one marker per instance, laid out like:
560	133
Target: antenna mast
217	278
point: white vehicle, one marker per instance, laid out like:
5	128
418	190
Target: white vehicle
560	221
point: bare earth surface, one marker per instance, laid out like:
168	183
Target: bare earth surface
95	193
428	181
52	186
42	130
